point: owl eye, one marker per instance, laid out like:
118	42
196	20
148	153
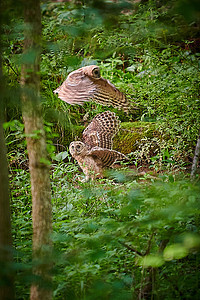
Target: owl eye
78	147
96	73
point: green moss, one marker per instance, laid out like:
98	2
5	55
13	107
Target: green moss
131	133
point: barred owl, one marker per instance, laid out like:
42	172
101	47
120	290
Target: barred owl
95	152
86	84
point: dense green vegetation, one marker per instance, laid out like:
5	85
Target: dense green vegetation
141	55
133	235
115	238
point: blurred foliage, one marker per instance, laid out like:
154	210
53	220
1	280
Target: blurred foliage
134	235
113	235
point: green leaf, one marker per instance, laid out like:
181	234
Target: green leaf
176	251
151	260
61	156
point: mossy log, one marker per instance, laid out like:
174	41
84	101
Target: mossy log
125	141
130	135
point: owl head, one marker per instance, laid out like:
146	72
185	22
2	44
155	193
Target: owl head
77	148
92	71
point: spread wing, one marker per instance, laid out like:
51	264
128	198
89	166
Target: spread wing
108	157
107	94
85	84
101	130
76	89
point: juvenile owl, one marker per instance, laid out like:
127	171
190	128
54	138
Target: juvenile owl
86	84
95	152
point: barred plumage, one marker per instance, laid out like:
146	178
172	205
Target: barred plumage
95	152
107	156
86	84
101	130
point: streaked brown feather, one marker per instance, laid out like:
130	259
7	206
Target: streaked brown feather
107	156
95	152
101	130
85	84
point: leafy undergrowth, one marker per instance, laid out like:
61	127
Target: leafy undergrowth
133	234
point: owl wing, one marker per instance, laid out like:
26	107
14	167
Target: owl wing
107	94
84	85
108	157
101	130
76	89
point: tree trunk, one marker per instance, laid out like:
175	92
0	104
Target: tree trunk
196	158
6	271
36	145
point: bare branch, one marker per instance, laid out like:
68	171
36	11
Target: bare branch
131	249
196	158
149	244
136	251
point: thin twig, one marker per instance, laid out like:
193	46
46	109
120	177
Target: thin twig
9	65
149	244
136	251
131	249
196	159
